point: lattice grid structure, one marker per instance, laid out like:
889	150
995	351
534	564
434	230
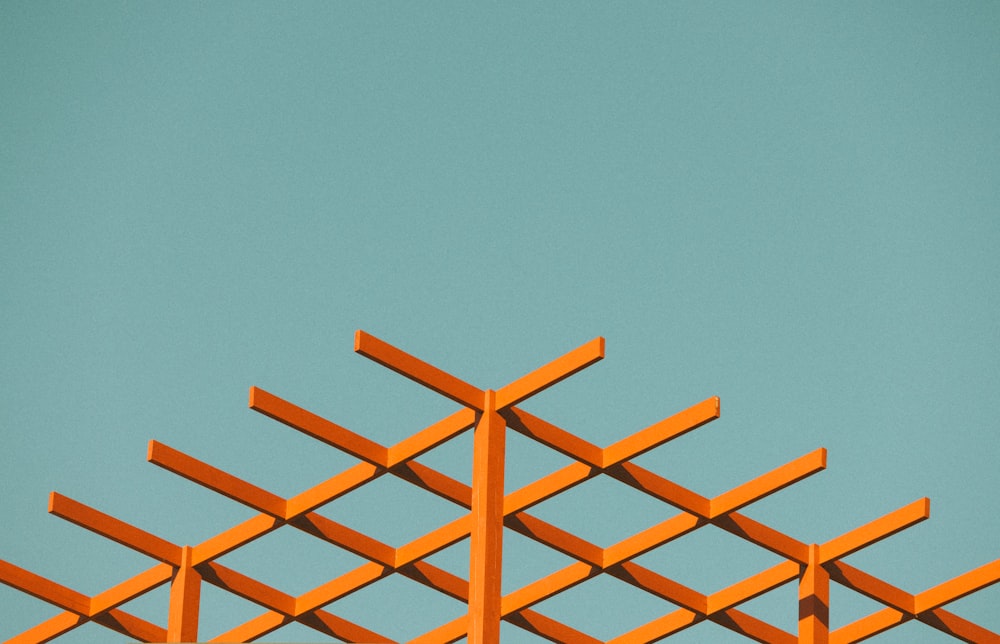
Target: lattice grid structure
489	413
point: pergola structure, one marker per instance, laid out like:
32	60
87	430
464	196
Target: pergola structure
489	414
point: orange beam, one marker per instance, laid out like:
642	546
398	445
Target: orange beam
185	600
548	434
659	433
215	479
418	371
129	589
486	548
556	371
959	587
870	586
316	426
814	601
869	626
767	484
44	589
958	627
429	438
754	586
114	529
752	627
875	531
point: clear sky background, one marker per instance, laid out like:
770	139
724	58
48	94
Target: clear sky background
792	206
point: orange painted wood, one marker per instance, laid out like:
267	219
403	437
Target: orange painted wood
488	511
814	601
486	556
185	601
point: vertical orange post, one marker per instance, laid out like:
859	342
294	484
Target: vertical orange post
185	595
814	601
486	550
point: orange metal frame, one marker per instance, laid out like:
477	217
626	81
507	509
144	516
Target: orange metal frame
489	413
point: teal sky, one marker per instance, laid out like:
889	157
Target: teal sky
792	206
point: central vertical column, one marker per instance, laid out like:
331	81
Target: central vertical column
814	601
486	549
185	597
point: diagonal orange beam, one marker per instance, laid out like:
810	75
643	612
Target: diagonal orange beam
427	439
651	538
316	426
330	624
869	626
130	626
958	627
556	371
751	627
661	488
51	629
114	529
131	588
542	589
874	531
767	484
44	589
753	586
548	628
954	589
870	586
661	586
555	437
418	371
660	628
659	433
347	538
215	479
